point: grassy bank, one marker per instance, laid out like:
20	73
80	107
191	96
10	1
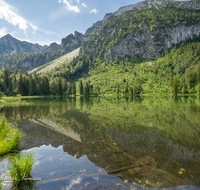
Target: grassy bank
9	137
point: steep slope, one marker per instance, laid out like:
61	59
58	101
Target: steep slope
148	4
146	29
57	62
72	42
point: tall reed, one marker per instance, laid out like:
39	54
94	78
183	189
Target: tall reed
9	137
20	167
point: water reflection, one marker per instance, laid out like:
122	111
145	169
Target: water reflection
150	142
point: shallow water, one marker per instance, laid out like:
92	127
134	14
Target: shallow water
148	143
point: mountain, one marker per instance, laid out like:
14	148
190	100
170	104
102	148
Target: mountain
145	29
72	42
10	45
52	47
148	4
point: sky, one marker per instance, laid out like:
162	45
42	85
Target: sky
48	21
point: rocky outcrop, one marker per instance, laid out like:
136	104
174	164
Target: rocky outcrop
121	40
72	42
52	47
98	26
145	44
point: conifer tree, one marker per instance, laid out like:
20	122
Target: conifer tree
20	86
32	86
81	87
74	89
65	87
46	86
126	89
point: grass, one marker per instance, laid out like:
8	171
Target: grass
0	185
9	137
20	167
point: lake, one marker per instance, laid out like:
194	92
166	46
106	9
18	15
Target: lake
97	143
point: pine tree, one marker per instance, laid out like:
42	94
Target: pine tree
46	86
81	87
32	86
20	85
14	84
65	87
126	89
74	89
87	89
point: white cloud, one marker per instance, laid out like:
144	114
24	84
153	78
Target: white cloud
34	27
74	182
95	11
69	6
84	5
8	13
3	31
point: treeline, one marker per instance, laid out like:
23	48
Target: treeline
24	61
13	83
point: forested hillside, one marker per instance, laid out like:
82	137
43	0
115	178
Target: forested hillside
176	72
24	61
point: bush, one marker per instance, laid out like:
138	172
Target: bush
9	137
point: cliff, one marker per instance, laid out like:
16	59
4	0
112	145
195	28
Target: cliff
145	29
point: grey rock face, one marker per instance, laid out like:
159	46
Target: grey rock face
96	28
145	45
72	42
52	47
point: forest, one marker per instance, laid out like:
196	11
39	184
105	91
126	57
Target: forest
176	72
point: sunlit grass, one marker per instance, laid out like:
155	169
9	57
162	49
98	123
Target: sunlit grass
20	167
9	137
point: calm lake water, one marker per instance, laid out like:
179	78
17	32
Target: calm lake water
148	143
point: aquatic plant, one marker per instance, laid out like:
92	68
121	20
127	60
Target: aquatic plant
9	137
20	167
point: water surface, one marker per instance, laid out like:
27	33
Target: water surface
109	144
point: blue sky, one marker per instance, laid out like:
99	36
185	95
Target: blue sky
47	21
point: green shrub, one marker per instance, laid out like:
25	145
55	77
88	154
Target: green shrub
20	167
9	137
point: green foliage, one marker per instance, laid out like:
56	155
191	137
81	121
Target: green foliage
133	22
9	137
20	170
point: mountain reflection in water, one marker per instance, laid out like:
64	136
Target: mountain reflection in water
150	143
